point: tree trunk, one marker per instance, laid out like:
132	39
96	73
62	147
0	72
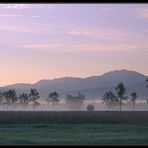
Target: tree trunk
120	104
134	105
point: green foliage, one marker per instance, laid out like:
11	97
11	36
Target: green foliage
90	107
110	99
53	97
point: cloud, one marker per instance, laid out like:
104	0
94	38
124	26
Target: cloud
23	29
27	6
10	15
34	16
113	35
15	6
89	47
24	26
80	33
107	9
143	13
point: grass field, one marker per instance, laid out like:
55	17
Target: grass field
74	134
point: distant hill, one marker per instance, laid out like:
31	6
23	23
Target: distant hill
91	87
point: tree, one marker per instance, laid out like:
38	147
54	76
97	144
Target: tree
120	89
110	99
75	102
6	99
24	99
90	107
1	97
53	97
78	99
10	96
13	95
133	99
33	97
147	94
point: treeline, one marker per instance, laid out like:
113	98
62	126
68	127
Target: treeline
110	98
10	97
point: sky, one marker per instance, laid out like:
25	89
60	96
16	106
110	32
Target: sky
46	41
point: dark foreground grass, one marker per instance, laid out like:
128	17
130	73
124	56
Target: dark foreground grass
74	134
68	117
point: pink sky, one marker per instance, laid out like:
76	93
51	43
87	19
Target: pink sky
45	41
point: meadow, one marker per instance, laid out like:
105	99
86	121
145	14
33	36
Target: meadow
73	127
73	134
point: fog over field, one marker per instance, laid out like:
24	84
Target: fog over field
141	105
51	51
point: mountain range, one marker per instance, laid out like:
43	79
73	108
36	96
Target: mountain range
92	87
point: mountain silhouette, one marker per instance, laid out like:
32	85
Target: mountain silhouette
91	87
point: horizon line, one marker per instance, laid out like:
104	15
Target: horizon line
71	77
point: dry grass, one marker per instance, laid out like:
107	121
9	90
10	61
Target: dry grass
66	117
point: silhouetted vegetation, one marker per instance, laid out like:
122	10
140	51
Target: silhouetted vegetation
133	99
78	99
75	102
120	89
90	107
53	98
34	96
147	94
110	99
23	98
8	97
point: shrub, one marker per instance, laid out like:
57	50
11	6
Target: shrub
90	107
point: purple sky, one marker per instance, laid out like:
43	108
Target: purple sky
44	41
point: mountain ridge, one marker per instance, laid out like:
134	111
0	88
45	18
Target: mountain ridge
93	86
